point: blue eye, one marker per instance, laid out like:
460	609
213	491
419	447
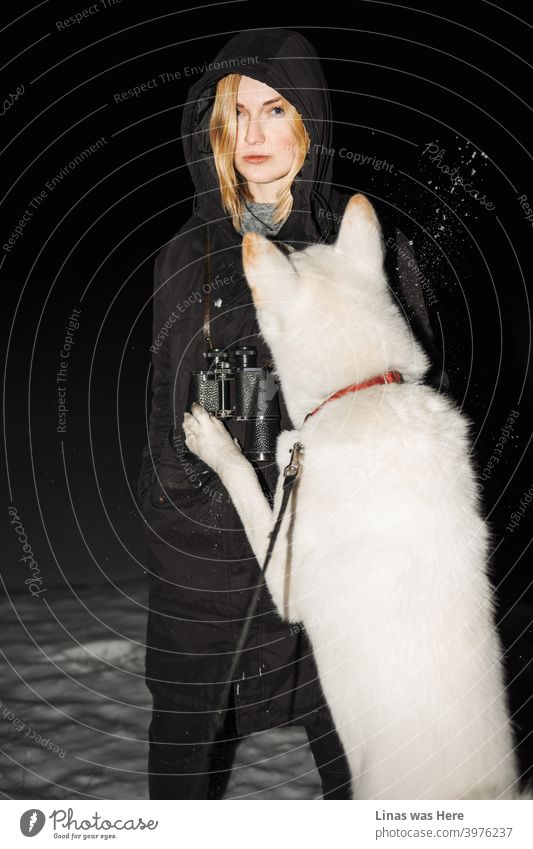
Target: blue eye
280	111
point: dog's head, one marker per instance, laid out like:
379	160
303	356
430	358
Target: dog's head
327	313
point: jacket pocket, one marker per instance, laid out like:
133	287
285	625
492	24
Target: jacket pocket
180	477
175	487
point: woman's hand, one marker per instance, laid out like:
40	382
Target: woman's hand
206	436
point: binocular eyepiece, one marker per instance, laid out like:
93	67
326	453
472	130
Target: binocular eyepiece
233	386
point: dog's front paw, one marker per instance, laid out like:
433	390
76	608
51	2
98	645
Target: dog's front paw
206	436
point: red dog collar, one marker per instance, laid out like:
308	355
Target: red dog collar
388	377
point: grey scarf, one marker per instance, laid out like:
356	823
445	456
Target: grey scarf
258	217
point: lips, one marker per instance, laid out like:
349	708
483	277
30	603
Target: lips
255	159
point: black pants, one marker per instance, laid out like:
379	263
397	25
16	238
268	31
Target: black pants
188	759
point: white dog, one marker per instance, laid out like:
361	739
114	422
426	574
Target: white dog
385	562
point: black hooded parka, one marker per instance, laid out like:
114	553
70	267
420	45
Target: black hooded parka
200	564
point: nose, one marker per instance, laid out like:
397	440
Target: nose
254	133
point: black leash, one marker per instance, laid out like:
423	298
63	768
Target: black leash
291	473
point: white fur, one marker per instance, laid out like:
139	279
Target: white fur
386	563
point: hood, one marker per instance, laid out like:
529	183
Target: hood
287	62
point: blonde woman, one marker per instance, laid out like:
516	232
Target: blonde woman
257	135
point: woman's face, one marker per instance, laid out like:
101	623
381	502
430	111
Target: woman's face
263	130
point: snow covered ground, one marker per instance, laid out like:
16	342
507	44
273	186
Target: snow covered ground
74	709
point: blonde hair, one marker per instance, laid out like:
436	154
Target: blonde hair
223	136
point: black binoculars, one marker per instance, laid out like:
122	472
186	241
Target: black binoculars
234	387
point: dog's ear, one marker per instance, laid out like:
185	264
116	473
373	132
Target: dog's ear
360	234
266	268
